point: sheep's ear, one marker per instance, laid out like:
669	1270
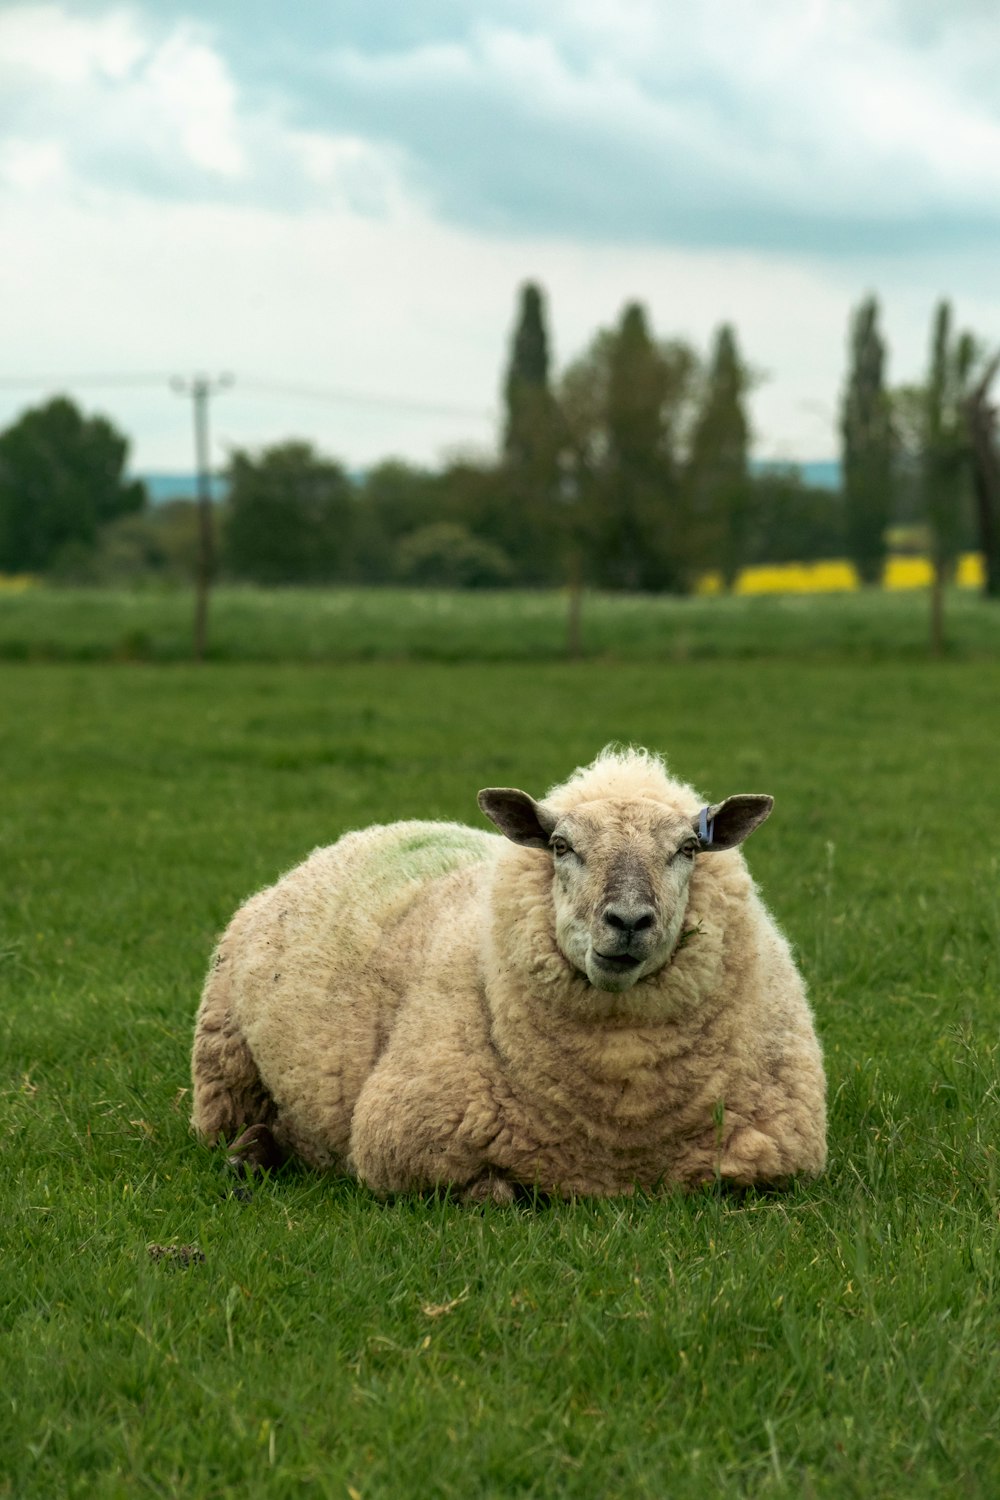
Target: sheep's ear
517	815
726	824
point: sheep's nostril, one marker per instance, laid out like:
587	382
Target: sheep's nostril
634	919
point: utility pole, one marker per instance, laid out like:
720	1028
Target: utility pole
200	388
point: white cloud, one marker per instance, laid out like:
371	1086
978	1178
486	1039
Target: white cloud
30	165
186	85
351	170
802	111
725	122
111	90
46	41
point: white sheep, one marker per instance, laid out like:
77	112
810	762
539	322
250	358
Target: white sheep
597	1002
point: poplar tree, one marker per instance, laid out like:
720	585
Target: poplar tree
946	440
866	429
626	400
718	459
946	454
981	415
532	441
647	384
529	439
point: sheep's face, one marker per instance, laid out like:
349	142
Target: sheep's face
621	873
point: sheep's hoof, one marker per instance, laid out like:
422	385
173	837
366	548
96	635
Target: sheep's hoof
489	1189
254	1151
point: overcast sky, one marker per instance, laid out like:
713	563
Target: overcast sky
340	198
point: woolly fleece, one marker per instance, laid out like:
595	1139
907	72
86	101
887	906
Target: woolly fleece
397	1007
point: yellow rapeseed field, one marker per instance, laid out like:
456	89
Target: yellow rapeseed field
833	576
837	576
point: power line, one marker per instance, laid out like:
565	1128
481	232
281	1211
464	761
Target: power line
330	395
341	396
131	378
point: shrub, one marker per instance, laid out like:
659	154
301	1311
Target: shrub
447	555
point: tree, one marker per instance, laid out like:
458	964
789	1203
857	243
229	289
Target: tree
532	436
290	516
393	500
61	479
866	430
946	439
717	462
160	542
791	521
446	555
626	402
946	454
981	416
532	443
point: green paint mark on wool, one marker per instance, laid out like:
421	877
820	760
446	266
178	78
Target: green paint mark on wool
402	855
426	852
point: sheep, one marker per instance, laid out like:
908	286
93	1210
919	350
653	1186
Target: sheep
594	1003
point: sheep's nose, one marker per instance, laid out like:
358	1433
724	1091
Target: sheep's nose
629	919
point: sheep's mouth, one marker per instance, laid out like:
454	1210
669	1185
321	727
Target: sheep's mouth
618	960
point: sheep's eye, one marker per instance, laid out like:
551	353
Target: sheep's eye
559	846
689	848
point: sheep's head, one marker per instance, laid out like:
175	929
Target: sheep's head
621	872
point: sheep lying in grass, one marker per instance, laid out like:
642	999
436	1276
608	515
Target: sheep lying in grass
595	1002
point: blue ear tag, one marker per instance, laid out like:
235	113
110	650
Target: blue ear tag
706	828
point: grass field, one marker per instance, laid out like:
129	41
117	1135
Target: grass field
842	1340
338	625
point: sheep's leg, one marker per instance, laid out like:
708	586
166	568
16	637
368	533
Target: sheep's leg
229	1094
255	1150
750	1154
410	1134
750	1157
784	1136
489	1188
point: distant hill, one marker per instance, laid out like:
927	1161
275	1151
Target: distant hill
822	472
175	486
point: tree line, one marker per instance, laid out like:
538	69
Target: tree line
630	470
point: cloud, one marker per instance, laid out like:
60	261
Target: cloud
29	165
798	125
118	101
127	103
828	127
53	47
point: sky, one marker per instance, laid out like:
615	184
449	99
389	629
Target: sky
336	201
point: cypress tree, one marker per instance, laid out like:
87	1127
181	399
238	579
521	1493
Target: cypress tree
866	429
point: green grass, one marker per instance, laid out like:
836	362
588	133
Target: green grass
841	1340
338	625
